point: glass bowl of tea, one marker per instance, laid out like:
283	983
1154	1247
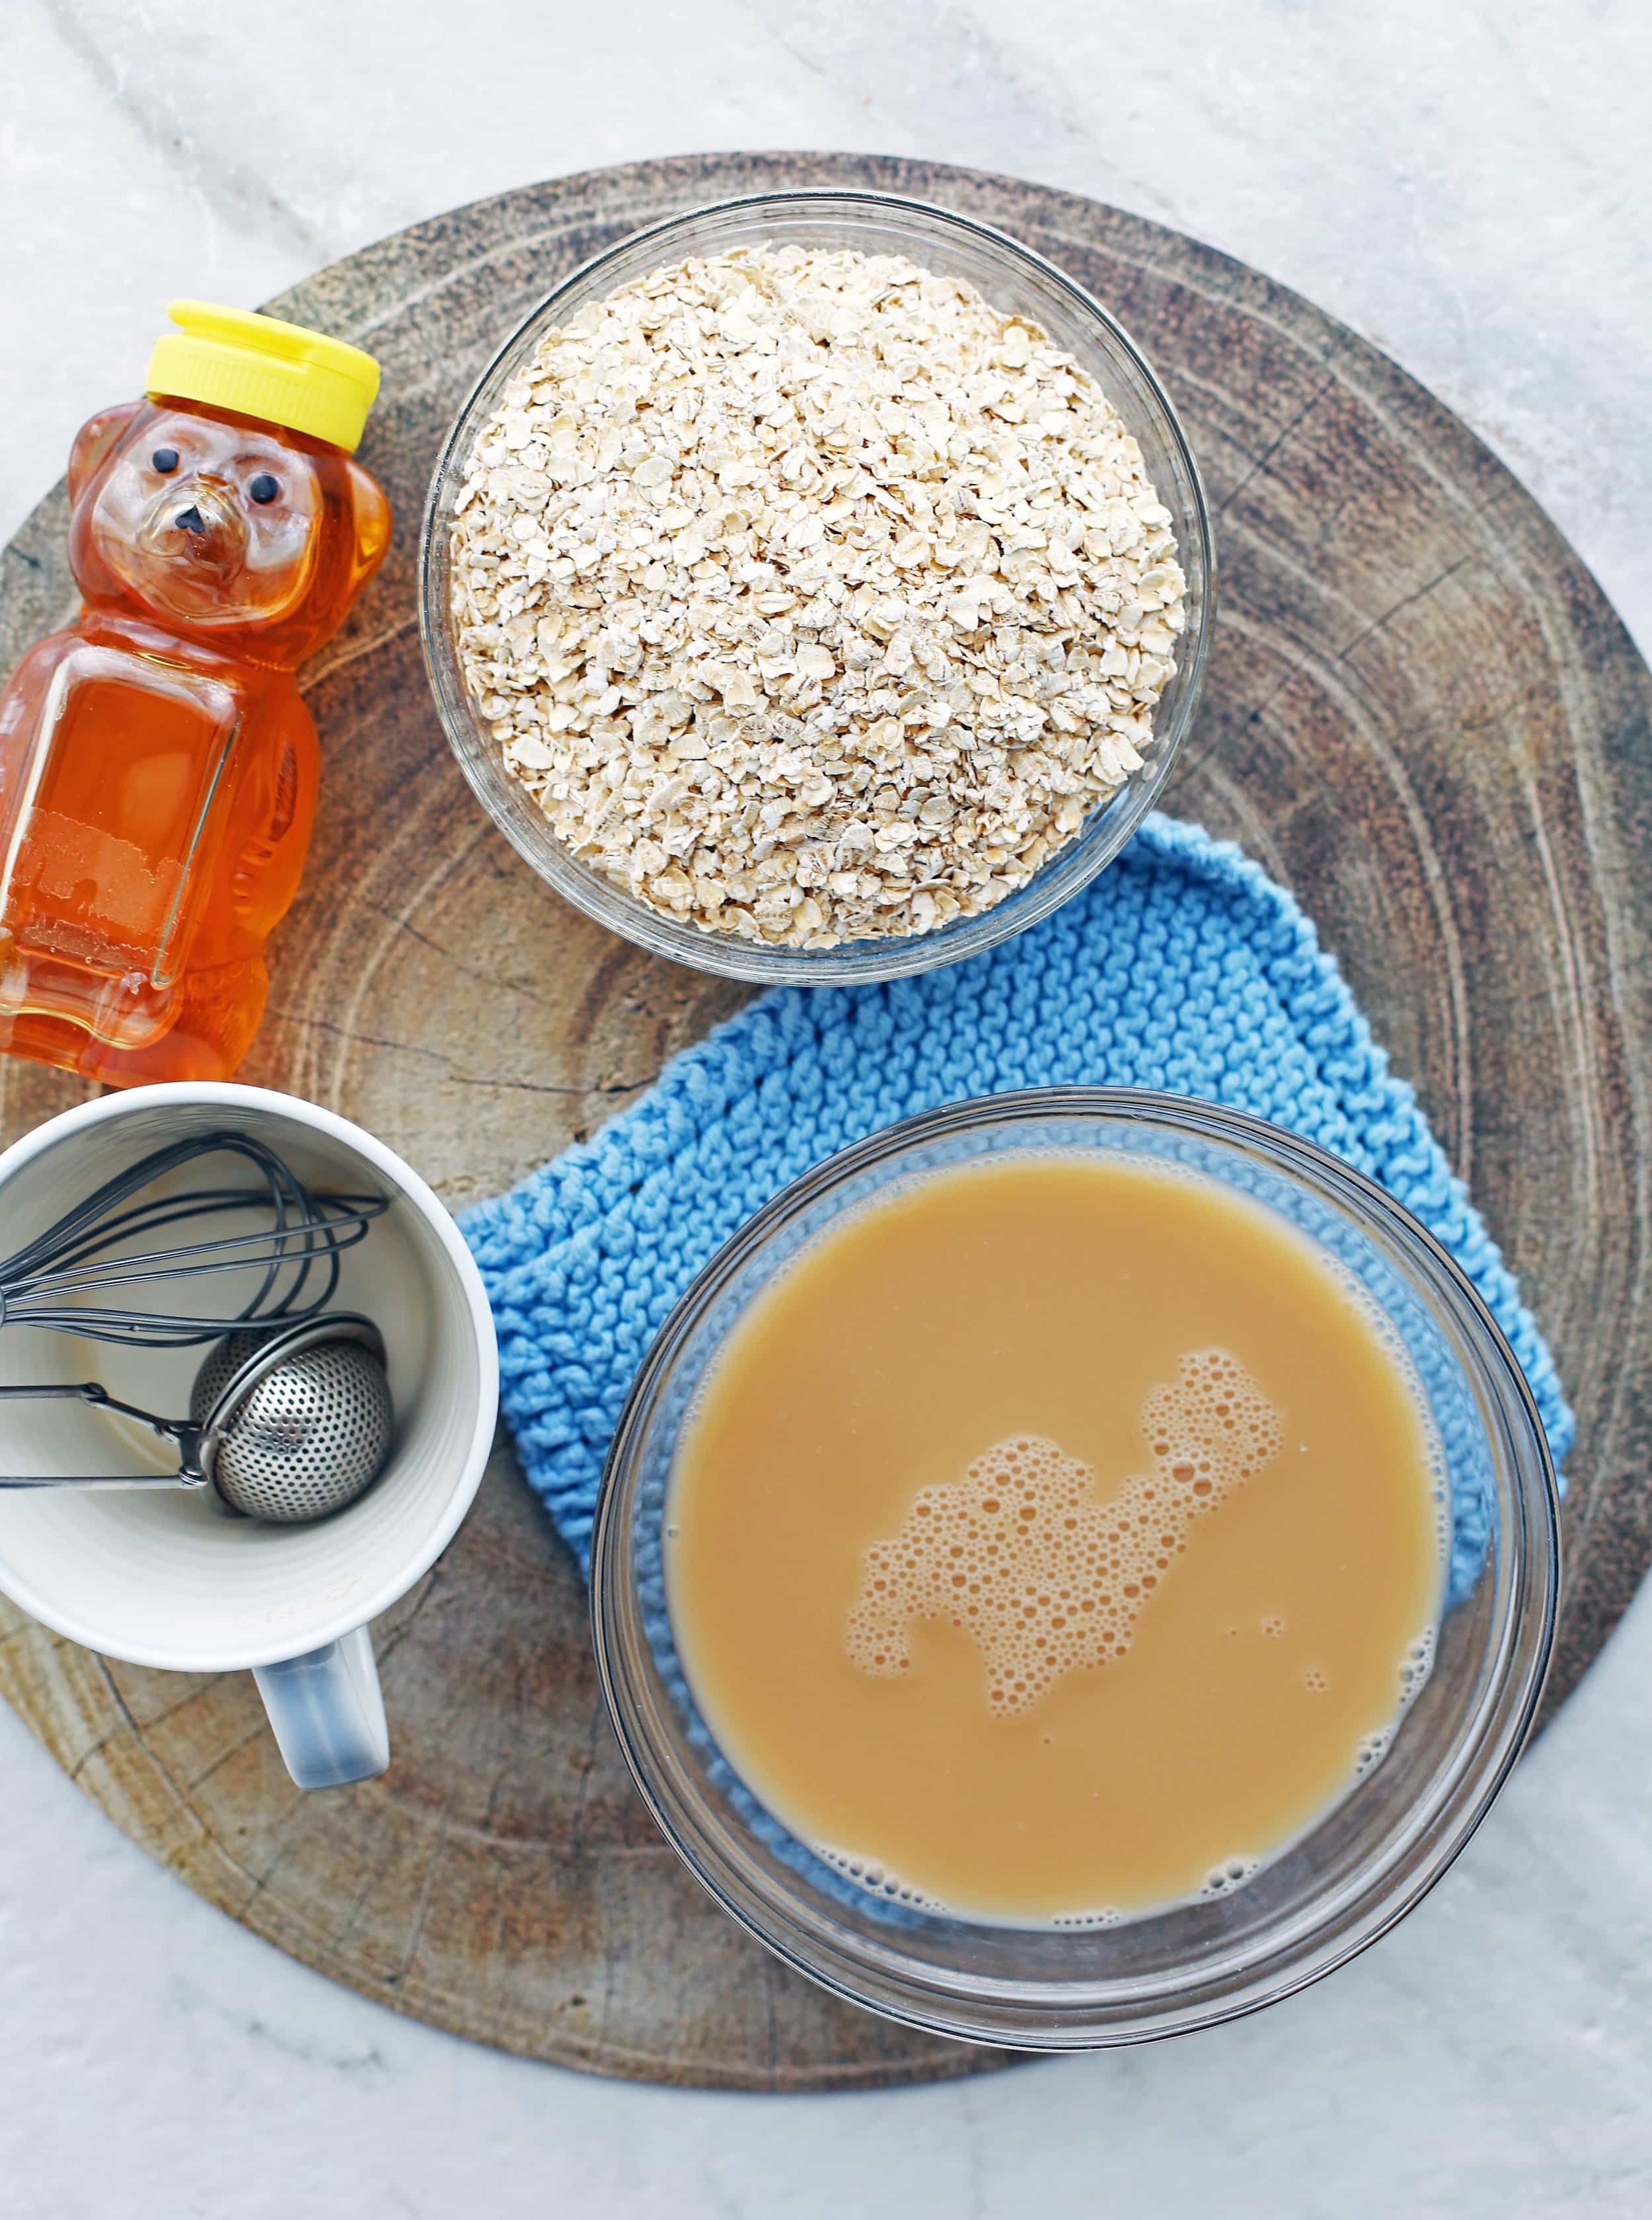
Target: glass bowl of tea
1077	1567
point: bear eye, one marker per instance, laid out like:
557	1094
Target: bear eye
264	487
165	460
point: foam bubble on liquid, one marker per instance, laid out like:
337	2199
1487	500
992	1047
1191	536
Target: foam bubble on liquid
1415	1666
1373	1748
1019	1557
877	1880
1222	1881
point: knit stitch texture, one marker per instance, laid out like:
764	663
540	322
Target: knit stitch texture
1182	968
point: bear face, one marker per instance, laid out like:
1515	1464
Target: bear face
211	525
246	537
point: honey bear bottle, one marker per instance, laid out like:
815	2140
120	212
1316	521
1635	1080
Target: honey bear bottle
157	769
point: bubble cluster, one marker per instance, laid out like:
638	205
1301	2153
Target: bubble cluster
1021	1557
1415	1666
1222	1881
877	1879
1373	1748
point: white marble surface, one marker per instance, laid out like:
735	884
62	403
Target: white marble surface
1462	180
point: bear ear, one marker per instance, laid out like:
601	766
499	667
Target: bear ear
94	441
372	513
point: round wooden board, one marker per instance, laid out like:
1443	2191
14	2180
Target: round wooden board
1421	715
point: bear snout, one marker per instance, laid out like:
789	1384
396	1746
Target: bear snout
199	521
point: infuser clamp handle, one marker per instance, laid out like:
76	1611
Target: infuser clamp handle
189	1439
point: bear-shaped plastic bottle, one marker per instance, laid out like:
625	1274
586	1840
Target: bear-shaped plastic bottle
158	768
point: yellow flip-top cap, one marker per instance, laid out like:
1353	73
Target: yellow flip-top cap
259	366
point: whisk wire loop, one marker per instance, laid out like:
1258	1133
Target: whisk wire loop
45	1282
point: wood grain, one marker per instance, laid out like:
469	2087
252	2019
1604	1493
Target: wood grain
1421	715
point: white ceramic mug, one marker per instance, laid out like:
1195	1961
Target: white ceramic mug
169	1577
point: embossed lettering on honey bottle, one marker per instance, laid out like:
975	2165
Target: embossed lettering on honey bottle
1056	1540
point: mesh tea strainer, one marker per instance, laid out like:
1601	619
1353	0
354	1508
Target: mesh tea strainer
286	1427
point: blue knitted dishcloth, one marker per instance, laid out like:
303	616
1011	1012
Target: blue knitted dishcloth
1182	968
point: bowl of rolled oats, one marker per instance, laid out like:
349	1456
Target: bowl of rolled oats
816	587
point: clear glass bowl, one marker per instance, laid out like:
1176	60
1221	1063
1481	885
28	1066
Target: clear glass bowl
1011	277
1365	1862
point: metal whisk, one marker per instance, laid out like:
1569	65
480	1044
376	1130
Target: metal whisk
97	1247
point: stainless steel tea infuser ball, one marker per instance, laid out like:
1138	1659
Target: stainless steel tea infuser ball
287	1426
296	1425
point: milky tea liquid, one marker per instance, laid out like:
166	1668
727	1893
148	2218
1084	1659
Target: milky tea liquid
1056	1539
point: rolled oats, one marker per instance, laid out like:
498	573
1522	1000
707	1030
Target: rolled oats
813	598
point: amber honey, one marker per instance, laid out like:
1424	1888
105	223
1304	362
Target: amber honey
158	770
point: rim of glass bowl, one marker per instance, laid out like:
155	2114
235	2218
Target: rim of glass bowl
1130	382
1318	1936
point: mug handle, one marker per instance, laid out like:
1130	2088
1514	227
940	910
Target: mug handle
327	1711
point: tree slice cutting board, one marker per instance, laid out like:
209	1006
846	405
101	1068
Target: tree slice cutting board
1420	714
